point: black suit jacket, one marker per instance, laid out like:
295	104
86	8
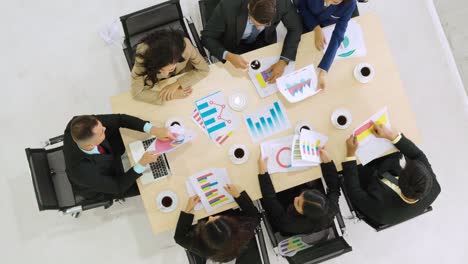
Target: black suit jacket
185	233
227	24
376	200
288	224
101	175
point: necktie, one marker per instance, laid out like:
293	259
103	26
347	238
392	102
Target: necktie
390	178
101	149
253	35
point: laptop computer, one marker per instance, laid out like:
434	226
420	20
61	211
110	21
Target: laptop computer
157	170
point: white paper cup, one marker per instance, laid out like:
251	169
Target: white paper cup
364	72
175	121
339	116
238	154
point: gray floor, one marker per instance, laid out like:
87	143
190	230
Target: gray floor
54	66
453	17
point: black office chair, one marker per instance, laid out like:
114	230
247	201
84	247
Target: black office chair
166	15
328	243
260	244
51	185
361	216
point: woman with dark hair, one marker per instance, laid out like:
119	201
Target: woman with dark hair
310	211
161	55
321	13
221	238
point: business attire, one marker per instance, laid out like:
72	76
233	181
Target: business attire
99	173
194	68
185	233
314	13
376	196
230	29
289	222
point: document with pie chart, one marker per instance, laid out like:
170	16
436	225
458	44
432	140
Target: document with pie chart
278	152
352	46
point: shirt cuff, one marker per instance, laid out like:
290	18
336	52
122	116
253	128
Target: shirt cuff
396	139
138	168
350	158
224	54
147	127
285	59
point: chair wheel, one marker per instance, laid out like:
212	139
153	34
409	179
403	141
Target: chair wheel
76	214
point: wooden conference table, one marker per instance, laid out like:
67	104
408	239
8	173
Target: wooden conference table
343	90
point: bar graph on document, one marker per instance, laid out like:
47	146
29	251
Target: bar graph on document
209	185
267	121
365	130
218	120
371	147
310	142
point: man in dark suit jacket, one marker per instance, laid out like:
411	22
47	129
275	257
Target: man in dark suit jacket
310	211
382	190
239	26
93	148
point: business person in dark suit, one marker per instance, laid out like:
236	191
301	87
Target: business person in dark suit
383	190
311	210
321	13
93	148
239	26
224	237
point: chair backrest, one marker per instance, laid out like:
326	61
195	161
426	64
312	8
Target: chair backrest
206	9
51	185
137	25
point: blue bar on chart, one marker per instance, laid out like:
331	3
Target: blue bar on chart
266	121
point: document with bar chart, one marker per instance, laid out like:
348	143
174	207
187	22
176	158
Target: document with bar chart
260	76
298	85
267	121
214	117
209	185
371	147
309	144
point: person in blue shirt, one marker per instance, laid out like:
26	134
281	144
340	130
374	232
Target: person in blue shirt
321	13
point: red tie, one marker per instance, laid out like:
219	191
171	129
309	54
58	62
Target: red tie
101	149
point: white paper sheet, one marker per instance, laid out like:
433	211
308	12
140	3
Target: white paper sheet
278	152
209	185
259	77
298	85
371	147
352	46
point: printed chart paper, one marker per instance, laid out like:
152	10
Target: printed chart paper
352	46
311	152
309	143
298	85
371	147
267	121
259	77
214	117
278	152
209	185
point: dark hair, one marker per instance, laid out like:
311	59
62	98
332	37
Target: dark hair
315	204
226	237
415	179
262	10
82	127
164	47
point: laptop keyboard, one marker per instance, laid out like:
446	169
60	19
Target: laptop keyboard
160	167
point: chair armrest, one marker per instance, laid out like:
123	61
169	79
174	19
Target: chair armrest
266	222
261	244
195	37
105	204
